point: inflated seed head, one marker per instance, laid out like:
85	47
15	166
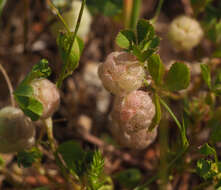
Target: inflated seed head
121	73
133	112
47	93
16	130
137	140
185	33
70	18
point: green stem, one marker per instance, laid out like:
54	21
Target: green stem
62	74
49	128
157	13
169	167
55	10
135	13
181	128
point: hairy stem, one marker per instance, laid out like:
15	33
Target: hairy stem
7	79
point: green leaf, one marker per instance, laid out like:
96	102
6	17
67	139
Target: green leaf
156	68
41	188
141	188
125	39
178	77
129	178
206	74
215	135
74	156
207	150
24	94
95	170
80	44
2	4
205	169
29	105
107	7
27	158
217	89
199	5
217	53
70	60
2	162
154	42
158	114
143	29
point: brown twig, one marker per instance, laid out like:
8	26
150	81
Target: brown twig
9	84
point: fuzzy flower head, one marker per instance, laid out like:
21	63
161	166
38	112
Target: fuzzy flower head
121	73
16	130
134	111
47	93
137	140
185	33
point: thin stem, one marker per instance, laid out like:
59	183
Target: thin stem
171	113
181	127
56	11
127	12
60	79
157	13
135	13
26	27
169	167
10	88
49	128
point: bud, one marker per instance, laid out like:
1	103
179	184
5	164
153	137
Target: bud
185	33
134	111
71	17
121	73
16	130
137	140
47	93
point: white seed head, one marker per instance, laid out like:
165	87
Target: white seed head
47	93
133	112
121	73
70	18
185	33
16	130
136	140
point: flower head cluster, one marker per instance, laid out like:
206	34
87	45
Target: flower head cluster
133	109
121	73
16	130
185	33
47	93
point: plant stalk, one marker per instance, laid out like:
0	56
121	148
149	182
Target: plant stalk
127	12
49	128
135	13
56	11
10	88
157	13
62	74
